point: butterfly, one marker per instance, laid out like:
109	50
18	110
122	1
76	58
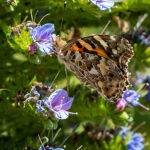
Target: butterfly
99	61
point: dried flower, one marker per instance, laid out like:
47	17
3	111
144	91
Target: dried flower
32	48
43	37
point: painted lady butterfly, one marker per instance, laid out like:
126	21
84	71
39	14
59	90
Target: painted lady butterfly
99	61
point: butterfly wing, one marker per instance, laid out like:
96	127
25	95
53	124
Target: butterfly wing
99	61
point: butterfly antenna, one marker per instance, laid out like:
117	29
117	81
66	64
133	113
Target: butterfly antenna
43	18
102	32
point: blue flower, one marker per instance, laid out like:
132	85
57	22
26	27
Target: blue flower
131	97
134	141
40	106
42	36
49	148
104	4
124	132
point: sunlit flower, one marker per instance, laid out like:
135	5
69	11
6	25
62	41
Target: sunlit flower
58	103
133	141
104	4
42	36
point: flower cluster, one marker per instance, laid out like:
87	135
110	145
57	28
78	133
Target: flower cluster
134	141
38	91
58	103
42	37
129	97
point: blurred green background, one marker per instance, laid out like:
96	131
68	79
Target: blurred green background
19	126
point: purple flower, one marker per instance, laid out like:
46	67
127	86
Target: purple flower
104	4
134	141
59	103
43	37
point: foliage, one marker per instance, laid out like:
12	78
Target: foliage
19	125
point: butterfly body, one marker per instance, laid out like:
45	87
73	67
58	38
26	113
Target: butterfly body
99	61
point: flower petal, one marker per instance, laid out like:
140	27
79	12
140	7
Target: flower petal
62	114
45	48
40	106
103	4
131	97
42	33
57	97
68	104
